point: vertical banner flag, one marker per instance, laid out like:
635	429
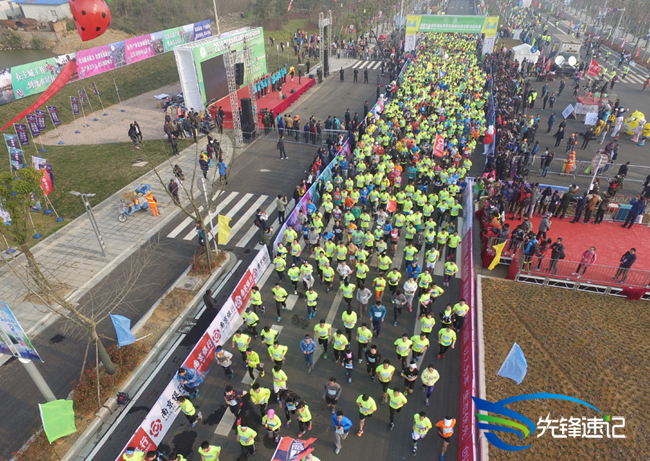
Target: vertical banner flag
16	157
21	132
74	102
96	91
439	146
594	68
82	98
54	115
46	182
11	330
290	3
40	120
33	124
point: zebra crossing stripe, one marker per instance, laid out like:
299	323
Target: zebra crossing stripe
191	234
356	64
177	230
246	216
253	230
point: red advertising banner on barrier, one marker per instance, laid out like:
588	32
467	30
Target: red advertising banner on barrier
466	423
161	416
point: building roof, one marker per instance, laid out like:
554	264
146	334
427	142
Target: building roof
39	2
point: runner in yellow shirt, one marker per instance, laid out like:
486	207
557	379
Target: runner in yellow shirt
397	401
421	425
367	406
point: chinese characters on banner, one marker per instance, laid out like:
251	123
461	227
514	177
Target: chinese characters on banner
161	416
74	102
54	115
16	157
466	421
32	123
35	77
439	146
21	132
40	120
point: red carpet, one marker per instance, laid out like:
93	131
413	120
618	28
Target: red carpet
271	101
611	242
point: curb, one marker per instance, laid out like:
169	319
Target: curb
482	441
110	410
50	318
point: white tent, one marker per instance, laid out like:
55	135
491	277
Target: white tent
523	51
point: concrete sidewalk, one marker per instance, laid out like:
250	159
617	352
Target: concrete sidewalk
72	256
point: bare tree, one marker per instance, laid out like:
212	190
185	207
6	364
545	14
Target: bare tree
201	211
16	196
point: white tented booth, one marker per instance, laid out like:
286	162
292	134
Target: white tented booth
521	52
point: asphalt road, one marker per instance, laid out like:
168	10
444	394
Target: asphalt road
628	91
257	171
388	445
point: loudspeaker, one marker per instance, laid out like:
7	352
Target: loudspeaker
239	73
248	131
326	62
247	112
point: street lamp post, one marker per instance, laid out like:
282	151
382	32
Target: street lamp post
216	17
38	379
93	223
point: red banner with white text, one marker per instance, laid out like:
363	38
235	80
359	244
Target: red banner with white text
159	420
466	422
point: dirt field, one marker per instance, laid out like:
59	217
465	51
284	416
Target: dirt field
591	347
115	126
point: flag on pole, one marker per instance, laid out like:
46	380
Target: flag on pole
290	449
96	91
637	52
594	68
514	366
123	330
223	230
439	146
497	257
290	3
548	65
46	183
623	45
57	418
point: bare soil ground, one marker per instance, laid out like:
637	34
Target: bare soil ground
592	347
114	127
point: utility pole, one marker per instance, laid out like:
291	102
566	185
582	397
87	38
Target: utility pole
619	21
216	17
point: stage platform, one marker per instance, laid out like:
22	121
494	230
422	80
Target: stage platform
611	242
270	102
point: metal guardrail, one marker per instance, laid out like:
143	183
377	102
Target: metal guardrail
569	274
636	173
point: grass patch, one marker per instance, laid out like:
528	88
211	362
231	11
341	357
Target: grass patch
509	43
274	61
102	169
582	345
132	80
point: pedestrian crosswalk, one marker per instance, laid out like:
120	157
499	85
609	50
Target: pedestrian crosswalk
370	65
631	78
240	207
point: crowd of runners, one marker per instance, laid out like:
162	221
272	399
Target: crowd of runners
394	201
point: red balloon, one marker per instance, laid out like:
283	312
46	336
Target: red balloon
92	17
